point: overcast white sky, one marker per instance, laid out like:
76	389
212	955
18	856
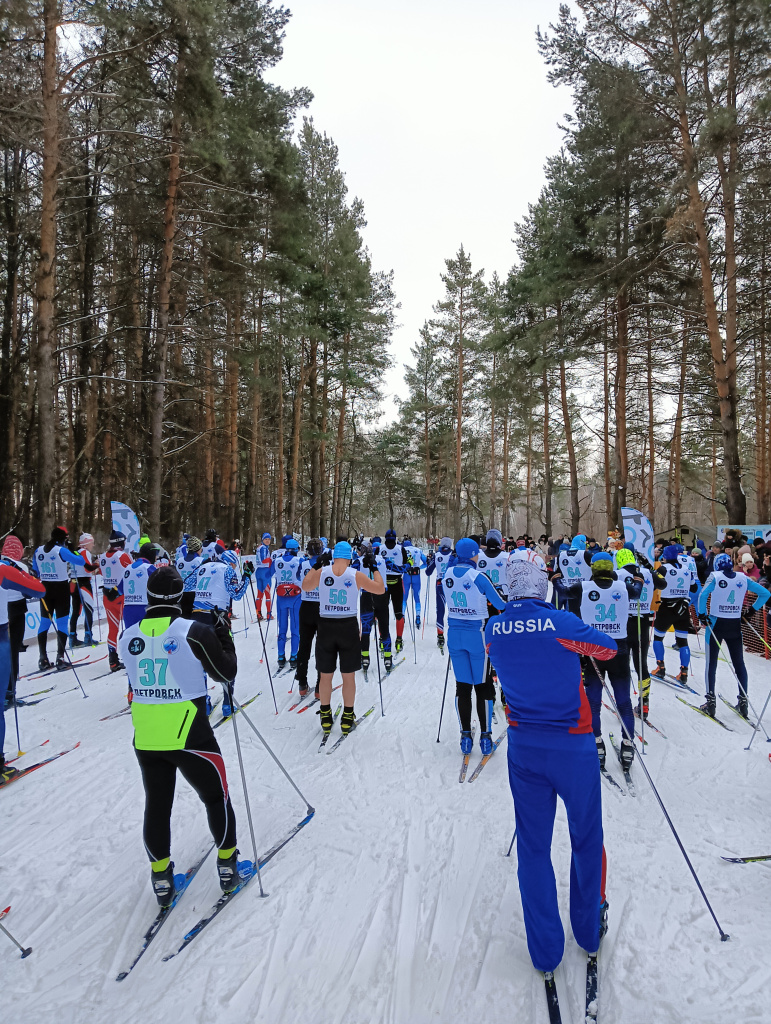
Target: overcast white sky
443	118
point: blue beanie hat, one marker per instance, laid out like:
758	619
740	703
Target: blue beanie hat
670	553
390	534
564	547
629	546
496	536
466	548
292	545
343	550
722	562
602	556
266	534
579	542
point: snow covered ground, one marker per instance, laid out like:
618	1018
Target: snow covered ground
396	904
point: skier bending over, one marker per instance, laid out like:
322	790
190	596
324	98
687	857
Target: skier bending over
724	624
467	592
168	659
338	585
535	649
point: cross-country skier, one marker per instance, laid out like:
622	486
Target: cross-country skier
416	561
338	636
673	610
113	564
724	594
287	569
133	586
441	558
212	545
12	554
51	565
467	592
12	583
638	630
187	563
372	606
493	561
534	648
82	593
262	577
396	559
168	659
309	617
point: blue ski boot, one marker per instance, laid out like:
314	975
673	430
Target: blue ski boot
466	742
486	743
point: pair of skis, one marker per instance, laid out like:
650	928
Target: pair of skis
355	725
712	718
592	986
482	762
246	703
247	870
34	767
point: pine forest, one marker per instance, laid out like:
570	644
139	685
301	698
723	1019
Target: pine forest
193	324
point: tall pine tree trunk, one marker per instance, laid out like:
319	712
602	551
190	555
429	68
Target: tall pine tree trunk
46	281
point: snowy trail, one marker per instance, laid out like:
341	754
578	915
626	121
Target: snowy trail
397	903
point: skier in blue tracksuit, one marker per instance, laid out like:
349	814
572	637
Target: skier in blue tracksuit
288	571
535	650
467	591
411	572
724	624
441	559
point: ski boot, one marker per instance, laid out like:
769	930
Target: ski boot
74	642
293	661
115	663
466	742
486	743
61	664
742	706
281	664
709	706
227	707
326	719
88	639
227	869
682	675
347	720
417	622
303	689
43	663
364	660
440	640
659	671
626	755
603	919
388	661
600	750
163	885
7	771
209	707
399	645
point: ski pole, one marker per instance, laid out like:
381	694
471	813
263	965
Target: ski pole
444	696
428	605
24	952
229	694
736	677
16	716
748	623
414	629
265	652
757	725
377	656
723	936
259	736
512	843
69	659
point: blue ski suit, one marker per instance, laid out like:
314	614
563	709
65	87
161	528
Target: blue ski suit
535	650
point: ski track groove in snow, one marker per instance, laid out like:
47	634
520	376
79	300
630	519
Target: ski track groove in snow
396	905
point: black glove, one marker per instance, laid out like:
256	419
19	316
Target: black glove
220	621
248	568
642	560
110	593
747	612
681	608
325	559
704	619
369	561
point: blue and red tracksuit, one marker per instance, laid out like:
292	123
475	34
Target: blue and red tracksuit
535	647
262	577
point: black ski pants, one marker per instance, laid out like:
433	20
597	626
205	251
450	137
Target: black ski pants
309	626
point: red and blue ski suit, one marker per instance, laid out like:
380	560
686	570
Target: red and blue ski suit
535	648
